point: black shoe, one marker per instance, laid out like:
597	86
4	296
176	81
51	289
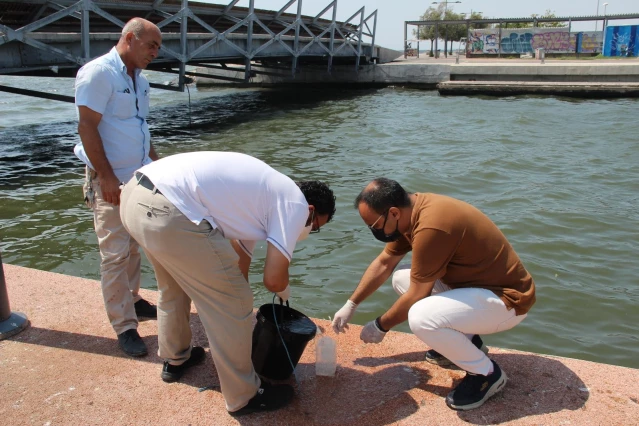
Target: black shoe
475	389
268	397
131	343
436	358
173	373
145	309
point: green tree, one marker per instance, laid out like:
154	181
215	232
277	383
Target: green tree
450	33
477	26
550	14
455	32
428	32
458	31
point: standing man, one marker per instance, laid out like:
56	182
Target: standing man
198	217
113	101
465	279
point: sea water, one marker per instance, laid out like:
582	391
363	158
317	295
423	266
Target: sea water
558	176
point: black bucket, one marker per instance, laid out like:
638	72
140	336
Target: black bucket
269	355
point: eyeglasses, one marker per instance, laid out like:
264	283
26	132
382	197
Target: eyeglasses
314	231
385	215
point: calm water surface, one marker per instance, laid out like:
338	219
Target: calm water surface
558	176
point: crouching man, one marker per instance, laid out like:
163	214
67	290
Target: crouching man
464	280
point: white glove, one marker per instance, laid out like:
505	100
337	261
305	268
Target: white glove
371	333
284	294
343	316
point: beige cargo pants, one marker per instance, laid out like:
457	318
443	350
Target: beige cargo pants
195	262
119	258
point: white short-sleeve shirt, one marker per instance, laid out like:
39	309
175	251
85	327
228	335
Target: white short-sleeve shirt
104	86
243	197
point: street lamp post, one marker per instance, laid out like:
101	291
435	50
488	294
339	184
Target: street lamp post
603	30
446	30
597	20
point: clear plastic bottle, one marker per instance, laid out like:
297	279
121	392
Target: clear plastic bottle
325	356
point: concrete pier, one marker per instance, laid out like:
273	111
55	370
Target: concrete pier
425	76
581	78
67	369
512	88
556	71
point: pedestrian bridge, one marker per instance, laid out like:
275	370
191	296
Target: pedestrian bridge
55	38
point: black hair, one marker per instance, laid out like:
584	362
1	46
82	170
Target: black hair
319	195
383	194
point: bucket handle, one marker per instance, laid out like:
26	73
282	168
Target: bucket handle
282	310
282	303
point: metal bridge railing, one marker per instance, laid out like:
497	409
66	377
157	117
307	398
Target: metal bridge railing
301	35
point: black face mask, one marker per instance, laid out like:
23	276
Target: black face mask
384	237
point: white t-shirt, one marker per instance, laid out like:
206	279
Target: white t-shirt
243	197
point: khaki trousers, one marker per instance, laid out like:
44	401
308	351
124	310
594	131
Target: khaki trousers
119	264
195	263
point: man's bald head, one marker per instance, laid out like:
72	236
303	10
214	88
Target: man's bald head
138	26
382	194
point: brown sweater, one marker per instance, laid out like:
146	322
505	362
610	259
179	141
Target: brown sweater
455	242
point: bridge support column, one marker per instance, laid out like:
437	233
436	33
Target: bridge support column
359	39
86	7
249	42
296	43
183	44
332	42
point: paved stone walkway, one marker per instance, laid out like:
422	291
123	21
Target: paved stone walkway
66	369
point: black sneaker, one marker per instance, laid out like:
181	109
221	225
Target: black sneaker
475	389
131	343
145	309
436	358
268	397
173	373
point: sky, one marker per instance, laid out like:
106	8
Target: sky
391	14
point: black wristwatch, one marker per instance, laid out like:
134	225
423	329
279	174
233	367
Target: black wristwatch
379	325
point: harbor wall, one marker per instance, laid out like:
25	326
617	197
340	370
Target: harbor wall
428	73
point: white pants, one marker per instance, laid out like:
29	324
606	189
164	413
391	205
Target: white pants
447	319
119	265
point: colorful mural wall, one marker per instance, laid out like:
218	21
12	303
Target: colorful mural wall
622	40
526	40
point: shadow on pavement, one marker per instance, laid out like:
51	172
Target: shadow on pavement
364	392
536	385
343	399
